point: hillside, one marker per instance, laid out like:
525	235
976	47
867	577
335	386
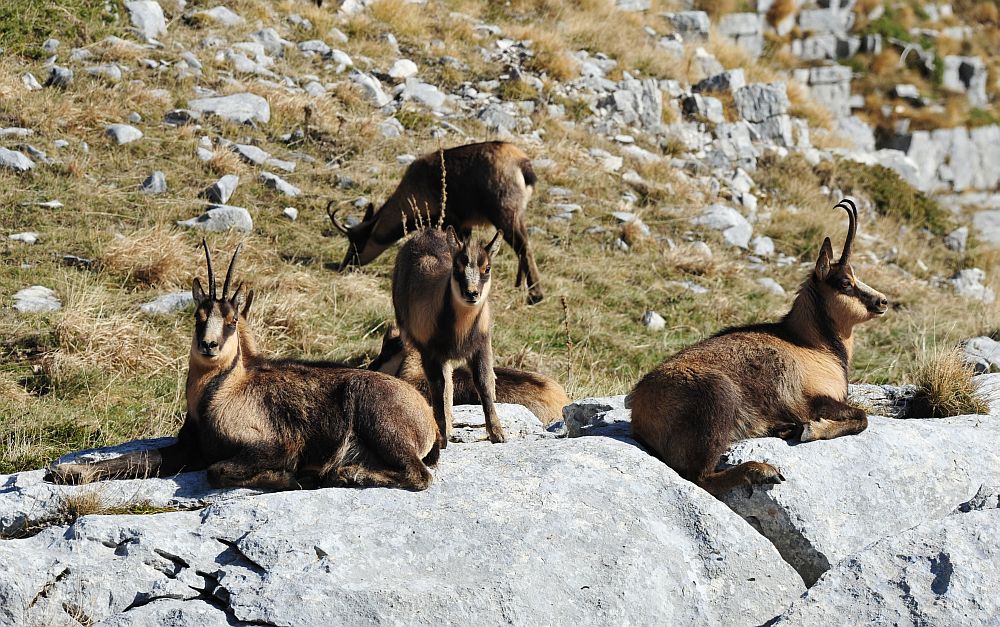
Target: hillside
704	202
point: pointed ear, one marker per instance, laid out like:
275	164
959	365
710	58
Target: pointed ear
369	212
246	307
238	299
825	259
494	246
198	293
453	242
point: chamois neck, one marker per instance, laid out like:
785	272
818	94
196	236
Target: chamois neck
248	346
810	324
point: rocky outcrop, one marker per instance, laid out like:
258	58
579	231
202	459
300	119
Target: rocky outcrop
552	531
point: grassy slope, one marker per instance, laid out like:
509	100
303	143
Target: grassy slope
98	373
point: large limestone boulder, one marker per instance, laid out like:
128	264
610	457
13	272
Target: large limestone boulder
944	572
543	531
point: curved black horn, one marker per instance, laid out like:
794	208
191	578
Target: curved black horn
333	218
852	212
229	272
211	274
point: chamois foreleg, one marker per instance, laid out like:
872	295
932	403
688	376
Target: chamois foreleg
182	456
442	390
832	419
251	469
484	378
517	236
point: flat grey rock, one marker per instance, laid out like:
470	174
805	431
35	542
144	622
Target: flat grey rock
155	183
551	531
278	184
16	132
759	102
222	190
403	69
168	303
147	18
28	237
251	154
736	230
968	283
220	219
983	353
240	108
942	572
36	299
15	160
110	72
220	15
469	423
123	133
60	77
370	87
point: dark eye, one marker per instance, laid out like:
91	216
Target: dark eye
845	284
487	270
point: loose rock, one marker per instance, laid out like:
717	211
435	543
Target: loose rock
221	218
36	299
240	108
123	133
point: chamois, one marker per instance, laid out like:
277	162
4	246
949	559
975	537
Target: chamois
440	291
542	396
280	423
486	183
786	379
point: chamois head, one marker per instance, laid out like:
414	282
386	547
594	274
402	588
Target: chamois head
361	246
848	300
470	267
216	319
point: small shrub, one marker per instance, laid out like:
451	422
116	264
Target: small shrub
945	384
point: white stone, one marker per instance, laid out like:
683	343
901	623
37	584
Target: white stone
222	190
291	213
403	69
14	160
221	218
241	108
969	284
371	87
147	18
734	227
280	185
28	237
771	286
36	299
123	133
155	183
168	303
653	321
220	15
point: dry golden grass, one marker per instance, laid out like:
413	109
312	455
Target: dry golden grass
780	10
946	385
804	106
152	257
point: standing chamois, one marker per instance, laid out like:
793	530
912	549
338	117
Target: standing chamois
542	396
280	424
440	291
487	183
786	379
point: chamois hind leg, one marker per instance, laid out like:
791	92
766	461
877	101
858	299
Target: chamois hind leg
832	419
184	455
250	469
517	237
442	389
484	377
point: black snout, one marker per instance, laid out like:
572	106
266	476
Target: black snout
471	295
209	348
878	305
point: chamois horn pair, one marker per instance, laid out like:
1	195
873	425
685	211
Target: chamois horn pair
211	274
852	213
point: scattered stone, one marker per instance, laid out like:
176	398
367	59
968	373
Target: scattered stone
28	237
36	299
690	25
134	117
291	213
633	5
653	321
168	303
275	182
221	218
315	89
123	133
969	284
746	30
907	91
983	353
770	285
74	261
341	60
50	45
271	41
726	82
957	239
180	117
14	160
220	15
251	154
371	88
403	69
147	18
240	108
735	228
391	128
762	246
966	75
424	93
15	132
759	102
60	77
30	82
222	190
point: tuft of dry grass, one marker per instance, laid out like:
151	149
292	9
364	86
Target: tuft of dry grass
151	257
946	385
803	106
780	10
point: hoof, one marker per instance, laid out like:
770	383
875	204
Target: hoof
534	298
497	437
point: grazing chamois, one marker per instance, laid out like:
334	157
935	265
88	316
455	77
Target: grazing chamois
440	291
280	423
486	183
542	396
786	379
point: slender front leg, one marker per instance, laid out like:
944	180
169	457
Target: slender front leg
436	385
518	240
832	419
448	375
484	378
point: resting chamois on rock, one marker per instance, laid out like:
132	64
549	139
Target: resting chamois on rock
786	379
485	183
543	397
280	424
440	292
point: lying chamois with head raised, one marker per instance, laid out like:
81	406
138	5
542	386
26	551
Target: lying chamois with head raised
440	291
280	424
487	183
786	379
542	396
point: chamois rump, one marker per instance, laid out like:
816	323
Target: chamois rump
542	396
280	423
440	292
485	183
786	379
